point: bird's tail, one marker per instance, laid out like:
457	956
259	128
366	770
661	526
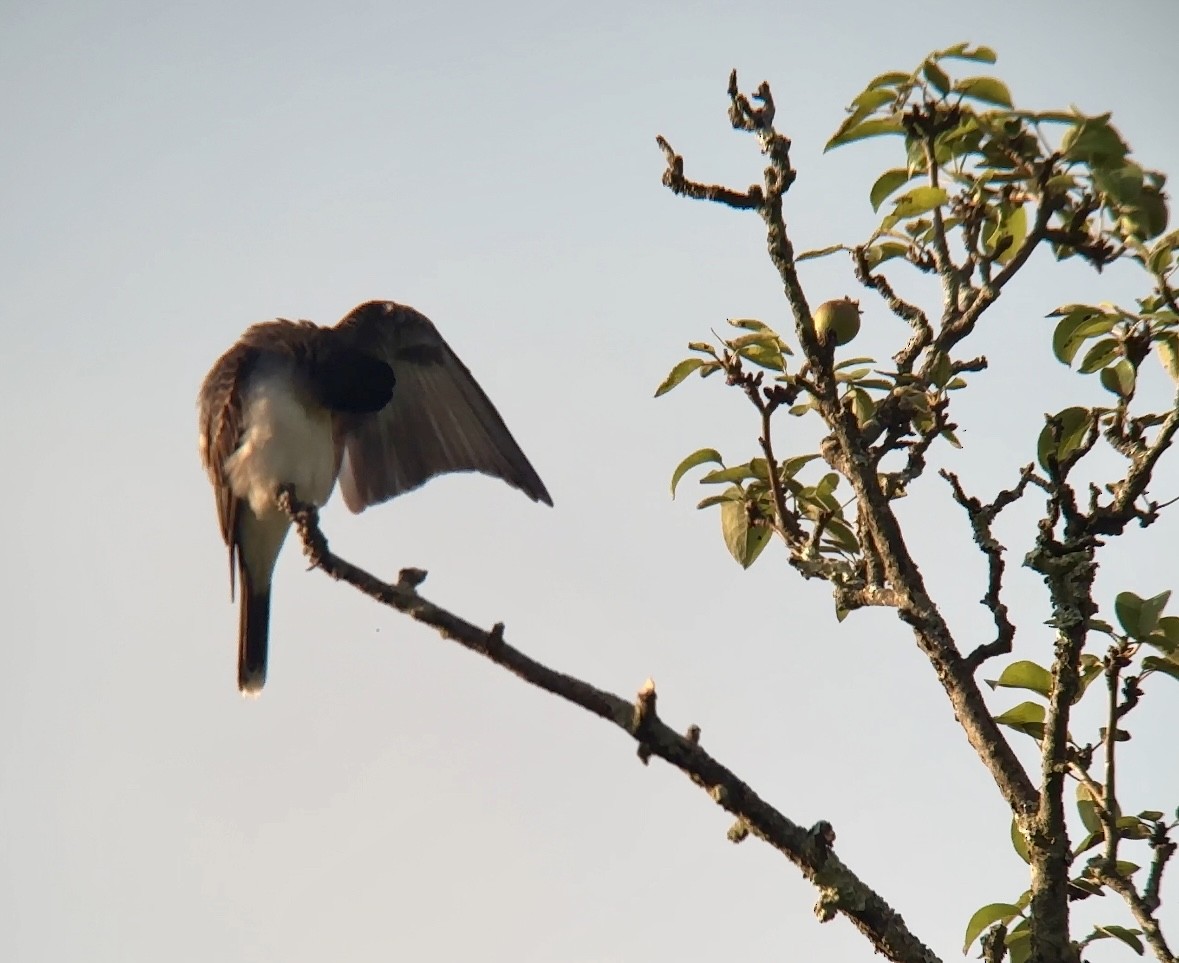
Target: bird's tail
253	635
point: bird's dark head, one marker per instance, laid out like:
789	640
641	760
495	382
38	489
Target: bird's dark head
350	381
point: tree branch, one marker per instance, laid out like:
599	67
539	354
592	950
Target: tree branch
1140	911
981	517
841	891
850	454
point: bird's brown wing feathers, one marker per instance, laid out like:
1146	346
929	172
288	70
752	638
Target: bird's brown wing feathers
439	420
221	428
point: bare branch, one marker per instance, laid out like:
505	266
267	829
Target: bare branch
841	891
1115	661
673	178
981	517
1113	518
922	330
1164	849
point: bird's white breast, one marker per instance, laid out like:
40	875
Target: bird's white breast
286	440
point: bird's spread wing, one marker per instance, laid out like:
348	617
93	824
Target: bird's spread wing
439	420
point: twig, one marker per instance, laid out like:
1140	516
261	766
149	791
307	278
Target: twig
981	517
1142	914
1164	849
673	178
922	330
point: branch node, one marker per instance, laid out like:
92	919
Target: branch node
644	717
409	579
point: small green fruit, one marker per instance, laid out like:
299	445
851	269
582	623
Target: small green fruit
839	319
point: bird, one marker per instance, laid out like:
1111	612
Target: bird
378	401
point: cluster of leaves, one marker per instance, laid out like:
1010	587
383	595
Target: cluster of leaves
915	406
993	159
983	184
747	504
1121	343
1143	628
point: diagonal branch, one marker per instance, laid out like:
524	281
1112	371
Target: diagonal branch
1141	912
841	891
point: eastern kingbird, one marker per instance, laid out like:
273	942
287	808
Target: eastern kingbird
379	401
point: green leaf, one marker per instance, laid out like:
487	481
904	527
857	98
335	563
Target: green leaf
820	252
733	494
701	457
863	407
879	253
856	375
1014	226
1024	675
987	89
750	324
1131	827
1127	936
1093	140
853	361
1152	608
744	541
1087	808
871	99
1146	218
1081	887
1160	255
1154	664
842	536
986	916
864	129
1086	844
891	79
1139	616
1168	349
1027	717
1166	635
1091	669
1119	378
1019	943
1073	308
763	337
936	77
735	474
1019	843
1074	426
1121	184
918	201
678	374
792	466
1127	607
1101	354
764	356
1076	328
1151	815
886	184
963	51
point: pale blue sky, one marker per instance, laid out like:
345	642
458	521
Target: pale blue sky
172	173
